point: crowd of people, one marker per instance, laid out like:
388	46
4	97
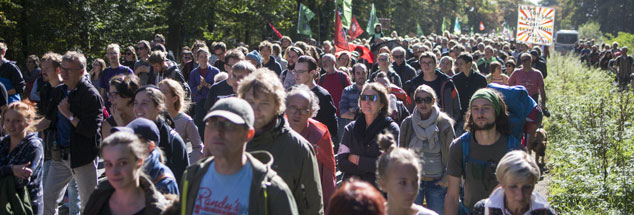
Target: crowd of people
281	128
613	58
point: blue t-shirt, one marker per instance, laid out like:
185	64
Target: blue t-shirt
224	194
64	127
107	74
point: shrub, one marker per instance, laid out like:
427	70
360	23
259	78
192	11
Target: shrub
591	140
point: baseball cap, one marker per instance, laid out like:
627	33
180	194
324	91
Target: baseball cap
144	128
233	109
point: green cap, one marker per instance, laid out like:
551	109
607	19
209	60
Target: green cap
233	109
490	95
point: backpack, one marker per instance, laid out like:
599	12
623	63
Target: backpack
519	105
512	143
342	78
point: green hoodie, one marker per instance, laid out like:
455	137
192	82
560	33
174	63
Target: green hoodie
269	194
294	161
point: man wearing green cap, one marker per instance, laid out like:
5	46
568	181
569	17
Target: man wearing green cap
233	181
474	156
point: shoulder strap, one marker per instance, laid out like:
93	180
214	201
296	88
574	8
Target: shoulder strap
161	177
512	143
465	140
321	79
442	93
283	75
342	78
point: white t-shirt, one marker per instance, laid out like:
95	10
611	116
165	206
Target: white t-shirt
224	194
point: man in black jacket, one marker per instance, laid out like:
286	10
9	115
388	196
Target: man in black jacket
10	76
77	119
158	60
305	69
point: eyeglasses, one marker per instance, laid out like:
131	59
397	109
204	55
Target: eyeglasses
420	100
398	56
224	125
368	97
296	110
510	65
128	53
382	59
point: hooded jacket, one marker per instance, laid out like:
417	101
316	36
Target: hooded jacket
160	175
155	203
294	161
495	205
268	195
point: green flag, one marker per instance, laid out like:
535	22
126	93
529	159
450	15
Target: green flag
372	21
303	20
346	12
456	27
419	31
443	28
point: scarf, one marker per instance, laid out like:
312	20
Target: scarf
495	202
427	129
367	135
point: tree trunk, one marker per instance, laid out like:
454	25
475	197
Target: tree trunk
174	26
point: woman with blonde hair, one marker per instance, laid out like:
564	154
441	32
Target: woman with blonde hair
429	133
149	103
517	173
359	149
127	190
398	174
21	157
176	105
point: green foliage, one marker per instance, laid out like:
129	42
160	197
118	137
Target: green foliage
612	15
591	30
591	140
623	38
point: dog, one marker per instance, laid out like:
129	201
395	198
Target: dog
538	146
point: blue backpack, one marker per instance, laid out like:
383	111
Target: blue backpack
512	143
518	103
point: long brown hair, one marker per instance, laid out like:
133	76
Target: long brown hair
502	124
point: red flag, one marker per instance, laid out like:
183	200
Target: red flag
363	51
279	35
481	26
355	29
340	35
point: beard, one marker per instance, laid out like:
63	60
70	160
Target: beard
291	67
487	126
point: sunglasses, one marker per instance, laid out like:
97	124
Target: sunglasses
128	53
398	56
420	100
510	65
368	97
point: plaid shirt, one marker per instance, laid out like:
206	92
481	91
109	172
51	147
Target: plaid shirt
349	99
